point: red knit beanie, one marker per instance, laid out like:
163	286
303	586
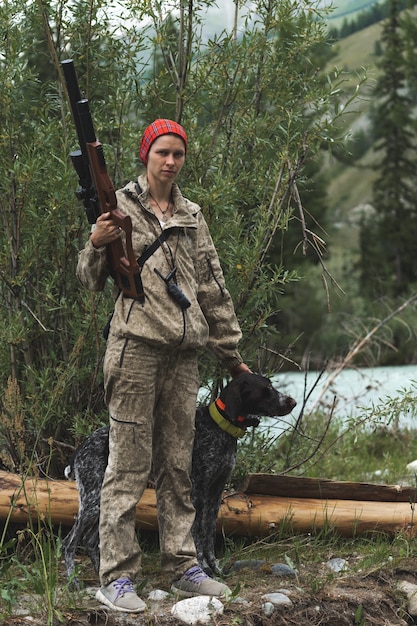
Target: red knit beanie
155	130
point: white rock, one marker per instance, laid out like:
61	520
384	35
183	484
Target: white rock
268	608
201	609
277	599
240	600
410	590
337	565
157	595
412	467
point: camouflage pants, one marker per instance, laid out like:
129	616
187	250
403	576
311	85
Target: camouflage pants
151	396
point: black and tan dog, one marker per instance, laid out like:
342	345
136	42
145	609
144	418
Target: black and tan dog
218	426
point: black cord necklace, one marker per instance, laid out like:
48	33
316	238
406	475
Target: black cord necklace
164	212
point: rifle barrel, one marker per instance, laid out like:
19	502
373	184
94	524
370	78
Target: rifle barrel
86	121
74	97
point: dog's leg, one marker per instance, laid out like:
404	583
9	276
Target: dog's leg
69	547
84	532
211	512
197	498
91	542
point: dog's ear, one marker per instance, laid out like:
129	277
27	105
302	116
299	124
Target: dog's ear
232	397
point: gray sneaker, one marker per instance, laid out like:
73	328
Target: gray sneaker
121	596
195	582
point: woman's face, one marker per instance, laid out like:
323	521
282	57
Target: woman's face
165	158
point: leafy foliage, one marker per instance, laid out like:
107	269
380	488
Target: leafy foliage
257	109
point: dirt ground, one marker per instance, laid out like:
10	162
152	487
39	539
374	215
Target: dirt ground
318	598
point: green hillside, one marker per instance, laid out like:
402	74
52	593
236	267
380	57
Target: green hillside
347	10
350	187
357	50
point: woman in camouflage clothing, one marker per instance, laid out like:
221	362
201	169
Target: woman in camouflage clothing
150	368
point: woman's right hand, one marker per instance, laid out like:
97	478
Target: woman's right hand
105	231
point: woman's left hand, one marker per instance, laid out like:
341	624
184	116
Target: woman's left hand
242	368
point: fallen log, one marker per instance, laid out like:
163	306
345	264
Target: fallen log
241	514
38	500
323	488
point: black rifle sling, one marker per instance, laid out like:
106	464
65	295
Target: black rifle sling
146	255
153	247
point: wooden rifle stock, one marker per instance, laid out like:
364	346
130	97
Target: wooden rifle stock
97	190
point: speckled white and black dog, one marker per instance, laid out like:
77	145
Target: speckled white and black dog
218	426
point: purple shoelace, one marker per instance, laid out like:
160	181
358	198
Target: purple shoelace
195	574
122	586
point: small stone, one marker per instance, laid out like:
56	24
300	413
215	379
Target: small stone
158	595
286	592
246	563
337	565
240	600
268	608
201	610
280	569
410	590
277	599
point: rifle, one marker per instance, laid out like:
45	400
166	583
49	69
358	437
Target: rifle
96	190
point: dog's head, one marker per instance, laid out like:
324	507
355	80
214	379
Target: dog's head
253	394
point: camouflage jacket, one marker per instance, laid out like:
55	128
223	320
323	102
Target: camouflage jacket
210	320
